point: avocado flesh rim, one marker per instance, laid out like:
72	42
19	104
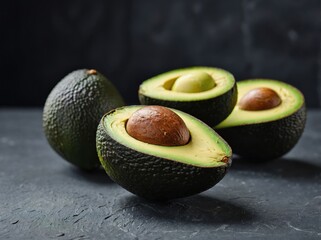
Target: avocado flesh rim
205	148
159	86
291	101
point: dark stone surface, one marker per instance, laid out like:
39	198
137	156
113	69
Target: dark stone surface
43	197
130	41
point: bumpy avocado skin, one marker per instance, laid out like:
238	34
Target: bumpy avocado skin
72	113
266	141
152	177
210	111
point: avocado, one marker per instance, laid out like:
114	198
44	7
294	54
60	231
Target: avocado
267	121
72	113
159	172
207	93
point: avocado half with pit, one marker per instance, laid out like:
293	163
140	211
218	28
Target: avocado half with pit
161	172
207	93
267	121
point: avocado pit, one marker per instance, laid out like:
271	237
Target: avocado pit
158	125
260	99
195	82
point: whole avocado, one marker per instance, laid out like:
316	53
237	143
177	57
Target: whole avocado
72	113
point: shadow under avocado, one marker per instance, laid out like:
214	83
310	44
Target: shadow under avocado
98	175
284	167
200	209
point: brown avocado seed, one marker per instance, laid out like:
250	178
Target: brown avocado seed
158	125
260	99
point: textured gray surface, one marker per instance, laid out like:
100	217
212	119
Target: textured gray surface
43	197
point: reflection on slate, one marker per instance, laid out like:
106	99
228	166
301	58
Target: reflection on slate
44	197
131	41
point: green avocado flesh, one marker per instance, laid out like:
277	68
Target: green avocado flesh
204	92
161	172
265	134
72	113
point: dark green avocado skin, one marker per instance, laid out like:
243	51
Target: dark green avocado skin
72	113
265	141
152	177
210	111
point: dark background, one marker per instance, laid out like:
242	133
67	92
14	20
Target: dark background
130	41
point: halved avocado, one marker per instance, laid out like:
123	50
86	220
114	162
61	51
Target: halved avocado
161	172
207	93
265	134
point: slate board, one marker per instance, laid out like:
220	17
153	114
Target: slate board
43	197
